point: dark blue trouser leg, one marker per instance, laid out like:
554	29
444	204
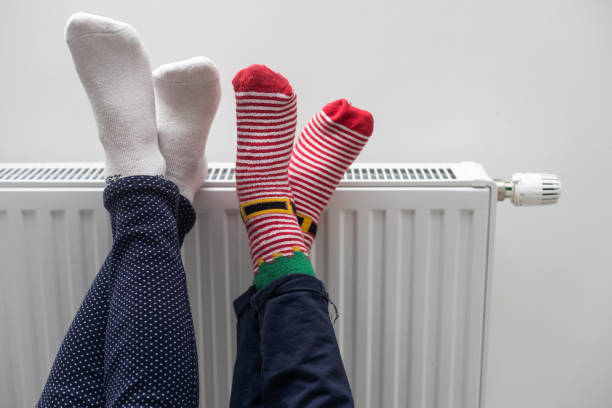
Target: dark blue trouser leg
132	342
299	363
246	383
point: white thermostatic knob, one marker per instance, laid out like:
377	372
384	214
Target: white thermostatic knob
535	189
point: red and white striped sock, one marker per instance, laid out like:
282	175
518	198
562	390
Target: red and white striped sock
325	149
266	113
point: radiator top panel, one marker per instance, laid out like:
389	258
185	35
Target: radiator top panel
224	175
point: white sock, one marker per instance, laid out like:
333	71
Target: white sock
115	72
188	94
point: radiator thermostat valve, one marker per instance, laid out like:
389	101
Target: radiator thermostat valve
530	189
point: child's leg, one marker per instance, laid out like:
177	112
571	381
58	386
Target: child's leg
246	380
114	331
287	349
301	364
300	361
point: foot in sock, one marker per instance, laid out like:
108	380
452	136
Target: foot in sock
114	69
187	96
325	149
266	111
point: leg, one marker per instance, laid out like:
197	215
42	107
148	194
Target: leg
132	340
311	374
160	368
246	381
324	150
149	353
286	317
81	372
187	96
77	375
301	363
287	349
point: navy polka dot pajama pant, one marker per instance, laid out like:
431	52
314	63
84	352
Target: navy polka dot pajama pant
132	341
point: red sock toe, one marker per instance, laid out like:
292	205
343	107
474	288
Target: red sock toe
259	78
345	114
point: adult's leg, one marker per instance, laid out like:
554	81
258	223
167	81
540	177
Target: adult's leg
91	369
149	222
77	375
149	353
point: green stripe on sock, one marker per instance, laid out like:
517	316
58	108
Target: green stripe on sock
283	266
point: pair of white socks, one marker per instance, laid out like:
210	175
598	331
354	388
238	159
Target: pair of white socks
139	139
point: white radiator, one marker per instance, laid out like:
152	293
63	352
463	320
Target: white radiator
405	251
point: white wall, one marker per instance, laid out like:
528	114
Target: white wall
515	85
